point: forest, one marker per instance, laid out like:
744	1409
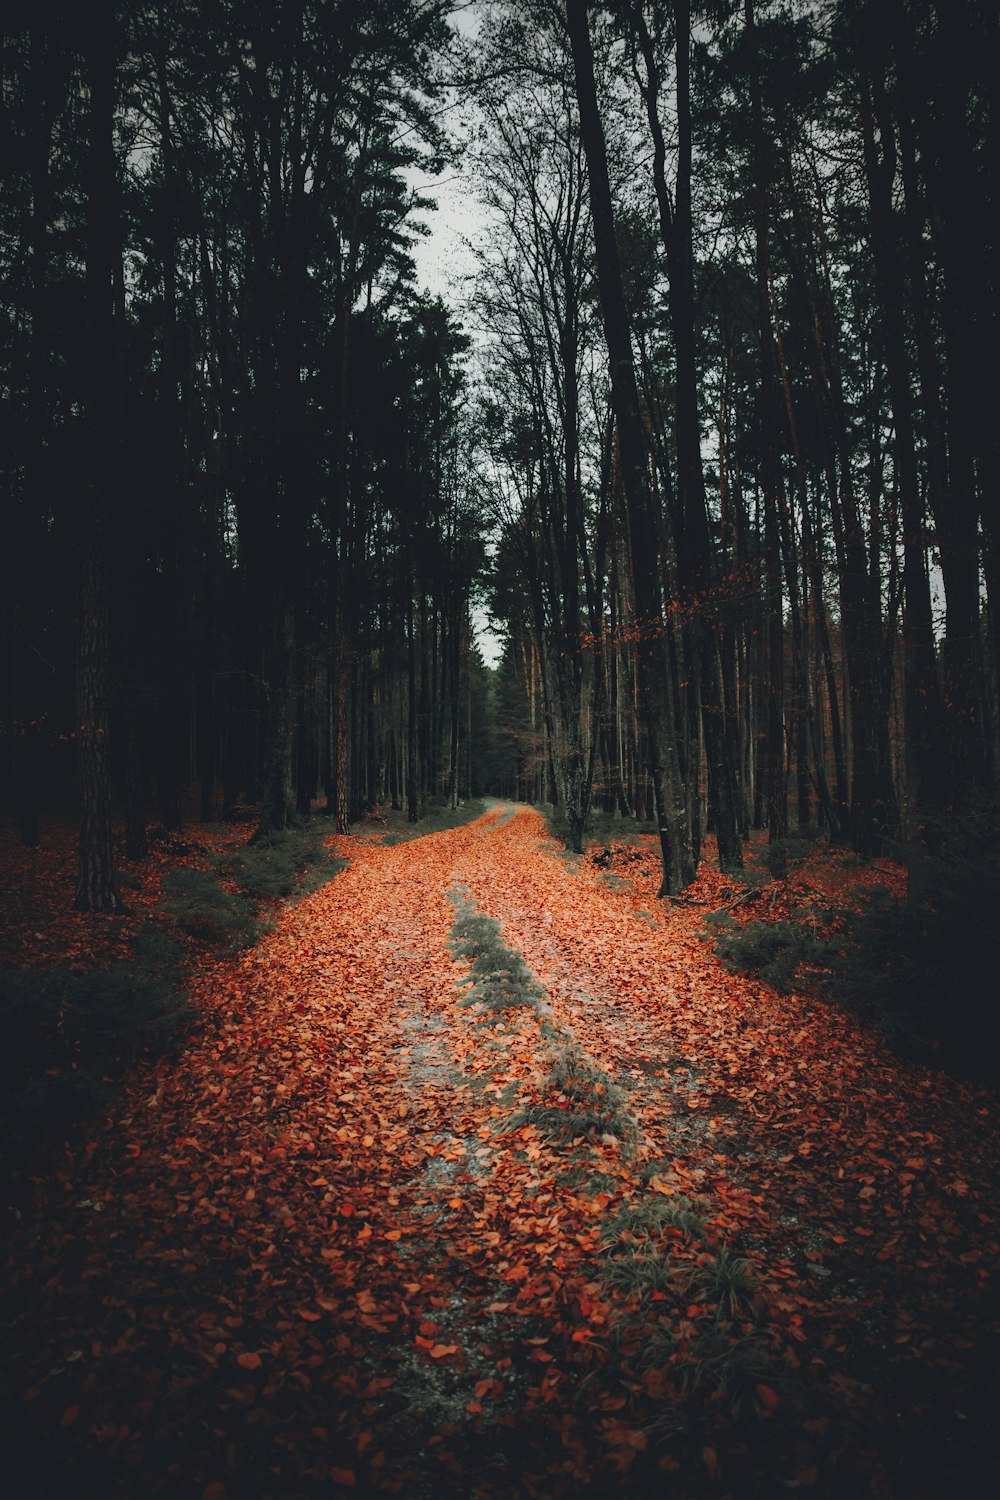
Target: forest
715	450
601	627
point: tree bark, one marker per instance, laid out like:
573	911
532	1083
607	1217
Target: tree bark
695	559
96	889
770	474
678	869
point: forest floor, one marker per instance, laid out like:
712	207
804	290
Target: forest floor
478	1176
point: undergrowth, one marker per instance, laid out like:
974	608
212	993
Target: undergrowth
776	952
601	827
202	908
692	1306
920	969
69	1036
437	817
292	861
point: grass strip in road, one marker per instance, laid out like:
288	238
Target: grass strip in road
503	980
580	1100
687	1306
682	1305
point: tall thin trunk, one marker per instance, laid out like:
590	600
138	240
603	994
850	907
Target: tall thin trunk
279	655
412	784
678	871
96	889
923	752
770	475
696	561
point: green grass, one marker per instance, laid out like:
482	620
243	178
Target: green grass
292	862
437	817
640	1273
692	1307
284	863
503	980
579	1100
723	1280
775	952
650	1219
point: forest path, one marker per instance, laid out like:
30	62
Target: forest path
598	1225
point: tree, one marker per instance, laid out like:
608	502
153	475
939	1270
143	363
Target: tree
677	871
96	889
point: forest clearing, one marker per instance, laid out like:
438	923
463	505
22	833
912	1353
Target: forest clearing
478	1175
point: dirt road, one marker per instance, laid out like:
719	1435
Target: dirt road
481	1178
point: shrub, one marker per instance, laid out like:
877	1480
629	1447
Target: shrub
274	866
772	951
199	906
922	971
69	1036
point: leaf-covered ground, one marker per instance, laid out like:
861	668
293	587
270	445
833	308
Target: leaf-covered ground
480	1177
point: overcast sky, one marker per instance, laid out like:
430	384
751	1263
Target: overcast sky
445	261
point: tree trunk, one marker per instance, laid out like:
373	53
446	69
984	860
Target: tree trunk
678	870
922	722
695	559
96	889
276	791
770	475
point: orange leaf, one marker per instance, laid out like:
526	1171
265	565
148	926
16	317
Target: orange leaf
768	1397
249	1361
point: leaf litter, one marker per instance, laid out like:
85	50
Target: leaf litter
482	1177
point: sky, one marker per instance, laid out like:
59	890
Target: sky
445	261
